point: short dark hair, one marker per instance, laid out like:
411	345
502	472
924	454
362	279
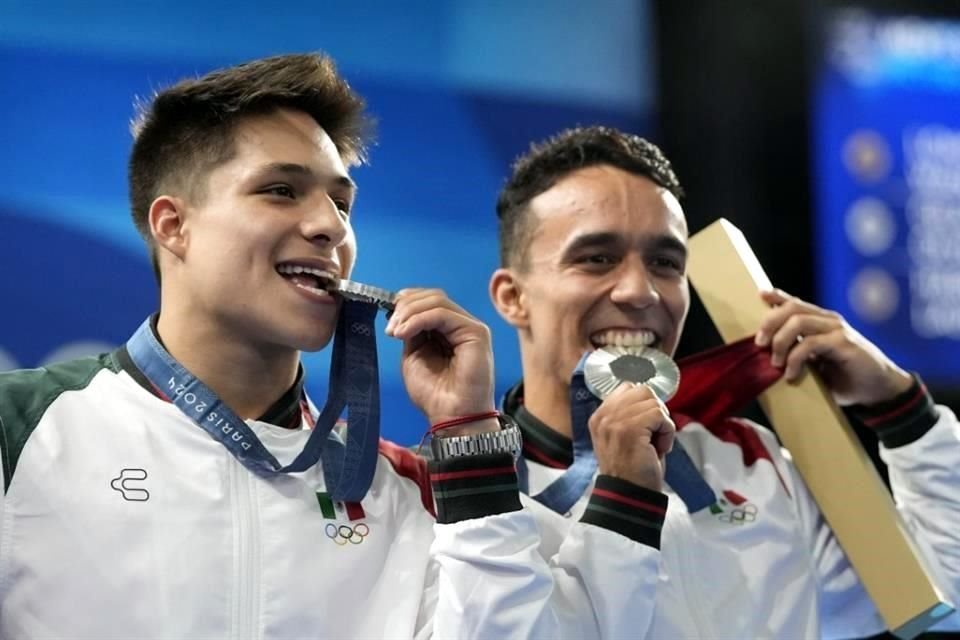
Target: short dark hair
187	130
549	161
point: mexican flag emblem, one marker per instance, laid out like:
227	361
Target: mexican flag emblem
335	510
734	509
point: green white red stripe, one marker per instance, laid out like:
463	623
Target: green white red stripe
334	510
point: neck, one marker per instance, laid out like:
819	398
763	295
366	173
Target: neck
549	401
247	377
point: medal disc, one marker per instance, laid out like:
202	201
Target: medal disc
609	367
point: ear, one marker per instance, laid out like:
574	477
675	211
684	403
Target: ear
506	292
167	226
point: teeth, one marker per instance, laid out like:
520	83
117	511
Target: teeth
315	290
642	338
293	269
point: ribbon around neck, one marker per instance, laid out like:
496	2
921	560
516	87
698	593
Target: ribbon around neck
348	466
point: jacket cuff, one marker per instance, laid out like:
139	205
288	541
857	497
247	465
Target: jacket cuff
474	487
628	509
903	419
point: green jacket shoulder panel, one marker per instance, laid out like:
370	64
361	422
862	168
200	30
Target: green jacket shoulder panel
26	394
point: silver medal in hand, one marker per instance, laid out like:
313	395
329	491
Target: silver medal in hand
609	367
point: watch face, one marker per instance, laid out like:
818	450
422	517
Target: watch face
609	367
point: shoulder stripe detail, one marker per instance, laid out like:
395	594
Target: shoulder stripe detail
409	465
737	431
752	446
734	431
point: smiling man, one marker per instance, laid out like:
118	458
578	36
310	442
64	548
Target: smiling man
593	250
184	486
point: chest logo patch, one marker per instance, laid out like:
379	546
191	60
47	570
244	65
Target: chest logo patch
339	531
127	483
344	533
733	508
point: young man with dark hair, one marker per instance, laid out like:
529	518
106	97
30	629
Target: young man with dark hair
593	246
184	486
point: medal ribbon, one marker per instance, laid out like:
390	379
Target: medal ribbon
348	467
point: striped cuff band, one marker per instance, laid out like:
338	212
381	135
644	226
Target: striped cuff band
632	511
903	419
474	486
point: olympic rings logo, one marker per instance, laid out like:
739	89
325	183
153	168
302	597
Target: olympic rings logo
741	515
582	394
360	328
344	533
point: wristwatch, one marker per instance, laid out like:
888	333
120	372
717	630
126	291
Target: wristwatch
507	440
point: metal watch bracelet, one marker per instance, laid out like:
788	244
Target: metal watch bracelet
507	440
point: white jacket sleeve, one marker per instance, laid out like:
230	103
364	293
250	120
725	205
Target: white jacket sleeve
608	563
606	580
490	580
925	477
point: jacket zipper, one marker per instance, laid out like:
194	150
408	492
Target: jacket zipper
247	559
687	546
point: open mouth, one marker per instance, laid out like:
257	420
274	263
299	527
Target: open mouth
314	280
624	338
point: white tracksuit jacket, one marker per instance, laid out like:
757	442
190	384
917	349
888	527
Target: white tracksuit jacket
122	519
763	563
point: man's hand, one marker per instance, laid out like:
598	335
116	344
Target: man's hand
799	333
447	363
632	432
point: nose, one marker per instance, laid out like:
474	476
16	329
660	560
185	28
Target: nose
324	223
634	286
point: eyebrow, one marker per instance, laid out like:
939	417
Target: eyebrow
292	168
662	242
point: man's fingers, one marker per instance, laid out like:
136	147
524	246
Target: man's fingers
454	327
775	297
418	299
636	392
663	443
407	318
811	348
630	398
788	335
634	411
632	432
664	437
785	307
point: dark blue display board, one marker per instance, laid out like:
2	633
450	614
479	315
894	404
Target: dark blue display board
887	148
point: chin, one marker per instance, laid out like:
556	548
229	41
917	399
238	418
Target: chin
315	342
306	334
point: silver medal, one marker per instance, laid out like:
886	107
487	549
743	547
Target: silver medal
351	290
609	367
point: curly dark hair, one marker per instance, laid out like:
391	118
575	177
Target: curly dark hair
187	130
549	161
